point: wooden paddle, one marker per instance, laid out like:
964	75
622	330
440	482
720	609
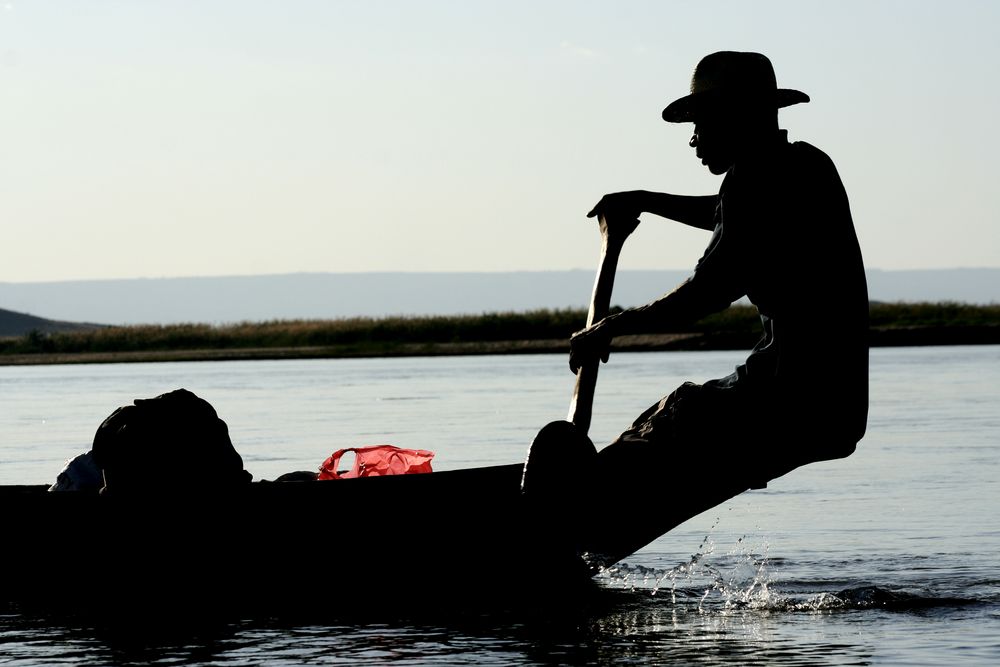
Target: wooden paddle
612	239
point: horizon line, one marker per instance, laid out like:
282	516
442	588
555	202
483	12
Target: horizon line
437	272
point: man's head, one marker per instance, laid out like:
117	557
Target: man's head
733	103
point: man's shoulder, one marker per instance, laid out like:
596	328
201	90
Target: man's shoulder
798	167
809	171
802	153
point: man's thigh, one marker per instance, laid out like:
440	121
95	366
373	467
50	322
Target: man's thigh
692	415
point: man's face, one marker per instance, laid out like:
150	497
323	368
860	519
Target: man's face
714	142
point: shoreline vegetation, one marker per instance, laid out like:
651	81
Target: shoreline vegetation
540	331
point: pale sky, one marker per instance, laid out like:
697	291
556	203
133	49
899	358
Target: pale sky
151	139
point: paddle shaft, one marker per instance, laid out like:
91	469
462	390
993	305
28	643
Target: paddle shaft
612	240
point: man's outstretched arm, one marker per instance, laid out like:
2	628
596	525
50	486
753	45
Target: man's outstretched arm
696	211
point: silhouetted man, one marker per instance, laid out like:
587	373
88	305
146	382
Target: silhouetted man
782	235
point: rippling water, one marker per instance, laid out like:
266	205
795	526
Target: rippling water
888	557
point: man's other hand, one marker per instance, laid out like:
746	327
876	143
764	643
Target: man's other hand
621	207
590	343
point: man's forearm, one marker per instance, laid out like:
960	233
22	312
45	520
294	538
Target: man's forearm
696	211
654	317
681	306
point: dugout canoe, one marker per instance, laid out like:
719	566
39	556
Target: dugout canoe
428	540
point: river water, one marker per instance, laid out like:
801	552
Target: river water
887	557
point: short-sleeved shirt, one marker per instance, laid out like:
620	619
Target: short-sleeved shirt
784	238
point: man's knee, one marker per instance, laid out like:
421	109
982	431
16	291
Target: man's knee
560	459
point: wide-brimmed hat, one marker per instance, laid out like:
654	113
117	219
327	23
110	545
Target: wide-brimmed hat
738	78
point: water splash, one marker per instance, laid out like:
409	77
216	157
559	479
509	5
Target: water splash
639	577
746	584
740	581
735	581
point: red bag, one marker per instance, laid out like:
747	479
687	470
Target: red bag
378	460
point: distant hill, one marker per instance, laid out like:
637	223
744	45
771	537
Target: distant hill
19	324
337	295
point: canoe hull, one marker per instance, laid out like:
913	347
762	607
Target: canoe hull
427	538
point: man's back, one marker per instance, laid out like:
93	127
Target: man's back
797	258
